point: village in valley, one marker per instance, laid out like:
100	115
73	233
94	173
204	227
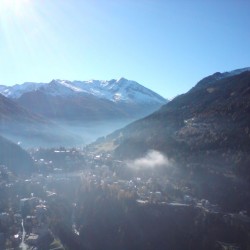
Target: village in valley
37	211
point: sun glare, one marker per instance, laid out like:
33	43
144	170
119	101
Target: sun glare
16	7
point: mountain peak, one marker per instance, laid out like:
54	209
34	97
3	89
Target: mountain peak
60	87
121	80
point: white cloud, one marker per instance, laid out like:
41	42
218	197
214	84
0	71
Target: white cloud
151	160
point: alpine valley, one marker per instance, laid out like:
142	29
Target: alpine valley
177	178
72	113
205	132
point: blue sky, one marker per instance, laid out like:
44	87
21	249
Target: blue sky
165	45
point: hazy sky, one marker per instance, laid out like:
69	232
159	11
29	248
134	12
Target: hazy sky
165	45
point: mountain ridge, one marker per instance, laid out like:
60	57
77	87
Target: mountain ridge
89	109
101	88
21	163
20	125
208	122
120	98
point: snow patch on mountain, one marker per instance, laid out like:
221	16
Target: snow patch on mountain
60	88
237	71
68	84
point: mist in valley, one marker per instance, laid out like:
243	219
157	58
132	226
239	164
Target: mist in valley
60	132
94	155
89	132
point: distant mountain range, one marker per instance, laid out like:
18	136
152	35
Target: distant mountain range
209	125
86	100
83	109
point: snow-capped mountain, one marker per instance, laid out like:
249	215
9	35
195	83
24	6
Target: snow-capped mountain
86	101
121	90
89	109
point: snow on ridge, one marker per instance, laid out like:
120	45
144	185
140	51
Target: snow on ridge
120	90
67	84
236	71
219	75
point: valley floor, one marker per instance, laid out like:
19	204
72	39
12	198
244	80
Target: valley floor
105	205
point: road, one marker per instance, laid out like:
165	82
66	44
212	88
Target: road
23	246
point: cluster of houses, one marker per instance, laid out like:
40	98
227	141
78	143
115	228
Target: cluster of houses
24	222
